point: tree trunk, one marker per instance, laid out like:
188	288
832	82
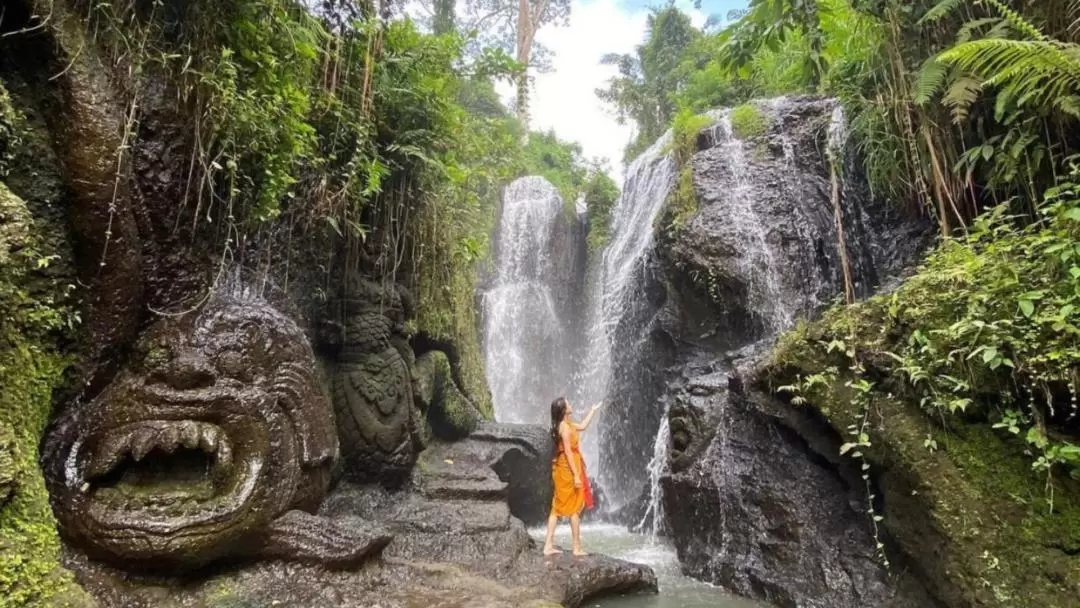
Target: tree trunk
525	32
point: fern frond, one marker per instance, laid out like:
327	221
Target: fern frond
931	80
967	31
940	11
1070	105
1020	24
1040	72
960	96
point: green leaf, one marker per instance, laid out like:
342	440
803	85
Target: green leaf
847	447
989	354
1036	437
1027	307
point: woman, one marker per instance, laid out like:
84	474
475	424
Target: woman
572	491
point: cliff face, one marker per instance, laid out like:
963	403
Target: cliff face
754	494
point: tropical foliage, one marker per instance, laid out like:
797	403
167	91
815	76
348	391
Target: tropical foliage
956	105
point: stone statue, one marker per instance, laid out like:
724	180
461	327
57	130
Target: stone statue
215	439
371	379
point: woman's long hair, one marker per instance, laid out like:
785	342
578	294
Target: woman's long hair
558	412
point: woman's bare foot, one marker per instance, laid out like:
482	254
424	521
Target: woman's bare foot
551	551
579	553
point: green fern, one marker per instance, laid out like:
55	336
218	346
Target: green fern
967	31
1021	25
941	10
961	95
1042	72
931	80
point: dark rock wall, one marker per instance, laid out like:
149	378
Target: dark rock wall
755	497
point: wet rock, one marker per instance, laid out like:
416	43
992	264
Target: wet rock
767	510
520	454
573	580
533	582
754	496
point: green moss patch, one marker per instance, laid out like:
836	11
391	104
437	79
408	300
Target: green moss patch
33	315
954	391
747	122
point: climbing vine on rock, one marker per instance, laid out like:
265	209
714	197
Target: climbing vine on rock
989	328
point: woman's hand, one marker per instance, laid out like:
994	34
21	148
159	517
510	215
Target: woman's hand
597	407
577	481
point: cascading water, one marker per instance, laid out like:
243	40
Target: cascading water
757	258
615	335
653	521
528	305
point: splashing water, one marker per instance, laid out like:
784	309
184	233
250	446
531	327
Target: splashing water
653	521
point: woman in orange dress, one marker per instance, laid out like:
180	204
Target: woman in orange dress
572	491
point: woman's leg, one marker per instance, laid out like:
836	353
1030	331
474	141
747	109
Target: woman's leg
575	531
549	543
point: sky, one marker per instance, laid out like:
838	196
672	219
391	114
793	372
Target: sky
564	98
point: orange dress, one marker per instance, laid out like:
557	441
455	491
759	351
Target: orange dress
569	500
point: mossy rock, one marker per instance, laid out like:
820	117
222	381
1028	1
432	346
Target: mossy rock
747	122
425	378
31	367
8	470
970	515
449	412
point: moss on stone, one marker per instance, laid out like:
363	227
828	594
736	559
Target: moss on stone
747	122
971	514
33	314
450	413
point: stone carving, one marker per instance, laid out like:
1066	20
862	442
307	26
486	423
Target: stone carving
449	413
212	441
372	384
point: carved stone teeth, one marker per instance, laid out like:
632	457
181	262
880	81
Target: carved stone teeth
107	455
142	441
169	439
189	434
208	438
224	457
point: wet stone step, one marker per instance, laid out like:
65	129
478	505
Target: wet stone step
442	487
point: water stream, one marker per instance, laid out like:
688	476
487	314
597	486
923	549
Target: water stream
676	590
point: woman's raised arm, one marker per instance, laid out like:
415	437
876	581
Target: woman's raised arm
588	417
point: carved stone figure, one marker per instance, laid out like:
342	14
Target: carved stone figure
448	412
372	384
214	440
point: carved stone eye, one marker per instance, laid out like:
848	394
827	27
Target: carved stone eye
234	365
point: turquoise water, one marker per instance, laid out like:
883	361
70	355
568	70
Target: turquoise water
676	590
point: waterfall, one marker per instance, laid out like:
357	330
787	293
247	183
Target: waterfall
757	256
653	521
529	304
615	333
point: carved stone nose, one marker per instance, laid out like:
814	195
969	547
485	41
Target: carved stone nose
188	372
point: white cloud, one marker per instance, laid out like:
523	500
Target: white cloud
564	99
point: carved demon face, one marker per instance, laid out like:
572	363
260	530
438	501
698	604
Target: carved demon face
216	427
